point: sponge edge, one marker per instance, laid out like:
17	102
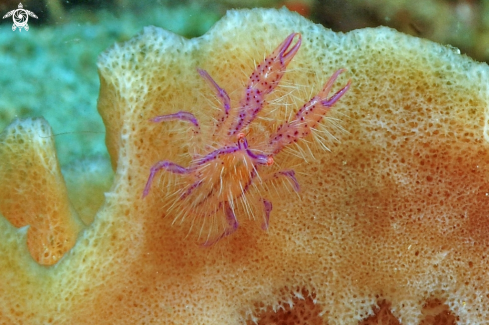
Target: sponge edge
384	215
33	191
393	219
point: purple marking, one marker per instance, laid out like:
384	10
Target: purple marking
258	158
307	105
242	144
232	222
191	189
333	99
268	209
181	115
169	166
254	97
291	175
245	188
290	132
213	155
262	82
289	55
221	93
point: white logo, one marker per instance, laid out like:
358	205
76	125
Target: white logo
20	17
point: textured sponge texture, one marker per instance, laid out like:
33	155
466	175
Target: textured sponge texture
389	227
33	192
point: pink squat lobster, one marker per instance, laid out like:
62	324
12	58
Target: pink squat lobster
221	177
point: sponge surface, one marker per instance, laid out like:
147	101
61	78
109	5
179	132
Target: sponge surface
390	223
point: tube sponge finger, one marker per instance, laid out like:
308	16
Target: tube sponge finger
33	191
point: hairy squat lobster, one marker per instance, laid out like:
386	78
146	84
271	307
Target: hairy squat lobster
217	180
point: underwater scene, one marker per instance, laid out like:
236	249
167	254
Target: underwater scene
244	162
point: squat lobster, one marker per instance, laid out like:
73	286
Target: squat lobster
218	180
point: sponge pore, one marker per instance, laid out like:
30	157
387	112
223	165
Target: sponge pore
299	310
390	224
33	191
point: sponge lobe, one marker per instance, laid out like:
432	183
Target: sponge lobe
33	191
390	220
395	211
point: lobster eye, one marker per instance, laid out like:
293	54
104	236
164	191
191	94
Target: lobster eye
242	143
269	161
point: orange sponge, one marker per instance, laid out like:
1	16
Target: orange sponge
33	191
389	226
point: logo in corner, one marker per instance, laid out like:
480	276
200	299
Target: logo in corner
20	17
